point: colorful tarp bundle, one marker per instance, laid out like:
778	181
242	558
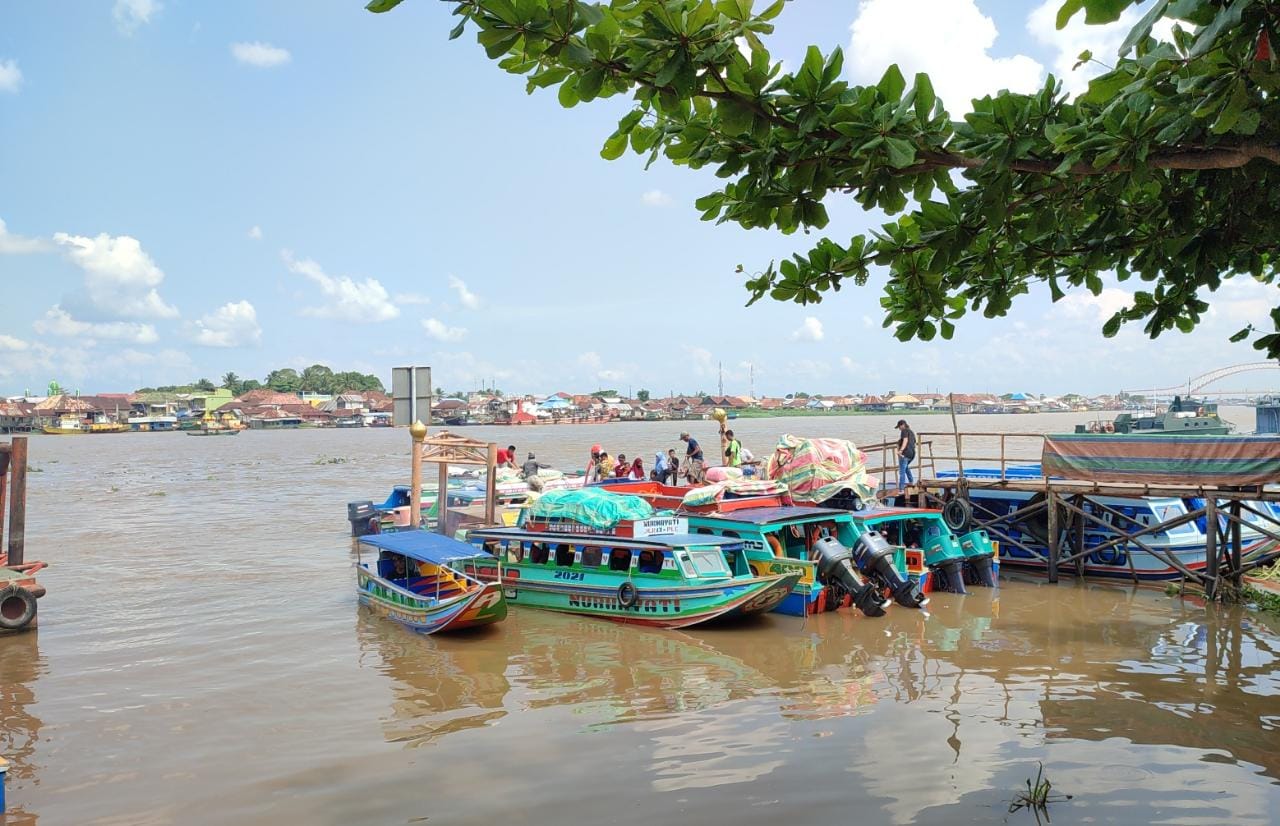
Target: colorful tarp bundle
814	470
590	506
707	494
1182	460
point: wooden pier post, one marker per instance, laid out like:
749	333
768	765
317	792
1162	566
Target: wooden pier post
1051	501
1237	550
442	500
491	484
17	499
418	431
1211	547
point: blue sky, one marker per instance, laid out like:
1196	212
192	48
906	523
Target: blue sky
193	188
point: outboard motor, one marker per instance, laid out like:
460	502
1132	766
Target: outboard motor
364	518
875	556
979	557
836	571
942	553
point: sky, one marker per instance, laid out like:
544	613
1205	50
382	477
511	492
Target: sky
188	189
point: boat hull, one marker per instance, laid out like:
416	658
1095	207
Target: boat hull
658	606
481	606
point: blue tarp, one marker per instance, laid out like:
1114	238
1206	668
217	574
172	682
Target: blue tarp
423	546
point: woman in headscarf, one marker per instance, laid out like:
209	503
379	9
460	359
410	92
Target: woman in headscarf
660	466
637	470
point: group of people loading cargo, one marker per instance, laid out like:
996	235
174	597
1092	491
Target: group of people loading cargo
668	468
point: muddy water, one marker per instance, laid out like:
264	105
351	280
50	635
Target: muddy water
202	659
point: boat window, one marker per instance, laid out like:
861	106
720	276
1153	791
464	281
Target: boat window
538	553
620	559
564	555
650	561
733	534
708	562
591	557
704	531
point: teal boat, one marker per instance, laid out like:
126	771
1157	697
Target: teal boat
789	538
662	581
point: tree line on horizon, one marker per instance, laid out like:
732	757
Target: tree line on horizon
318	378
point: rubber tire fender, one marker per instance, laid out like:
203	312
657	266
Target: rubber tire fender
957	513
628	596
775	544
21	595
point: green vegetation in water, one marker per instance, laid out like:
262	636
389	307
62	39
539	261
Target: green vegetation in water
1037	797
158	493
330	460
34	469
115	489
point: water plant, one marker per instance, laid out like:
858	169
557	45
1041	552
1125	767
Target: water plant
1037	797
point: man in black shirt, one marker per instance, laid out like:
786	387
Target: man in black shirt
906	454
693	461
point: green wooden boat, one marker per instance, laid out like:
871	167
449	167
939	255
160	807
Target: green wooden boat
628	575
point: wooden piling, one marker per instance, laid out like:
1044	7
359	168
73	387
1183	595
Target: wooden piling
418	432
17	499
1051	501
442	500
1211	547
1237	549
491	484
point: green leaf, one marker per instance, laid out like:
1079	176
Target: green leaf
614	146
568	93
1141	31
1231	112
380	6
669	69
1067	11
1112	326
773	10
892	84
924	97
456	31
1227	17
901	153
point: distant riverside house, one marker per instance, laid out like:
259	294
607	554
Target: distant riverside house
49	410
768	403
17	417
902	401
873	404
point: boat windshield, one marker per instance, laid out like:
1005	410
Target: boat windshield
707	562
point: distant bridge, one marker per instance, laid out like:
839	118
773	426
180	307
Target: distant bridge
1195	385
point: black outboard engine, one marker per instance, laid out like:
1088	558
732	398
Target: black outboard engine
836	571
875	557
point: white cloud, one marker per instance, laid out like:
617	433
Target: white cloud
1104	41
11	244
590	360
12	344
130	15
469	299
1086	305
809	330
58	322
656	198
611	375
438	330
10	76
255	232
119	277
234	324
412	298
948	39
261	55
347	300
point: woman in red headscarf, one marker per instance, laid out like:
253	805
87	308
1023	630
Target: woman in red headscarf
637	470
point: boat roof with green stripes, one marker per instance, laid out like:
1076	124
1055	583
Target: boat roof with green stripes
675	540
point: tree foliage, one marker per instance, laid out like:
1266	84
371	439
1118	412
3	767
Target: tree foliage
1159	173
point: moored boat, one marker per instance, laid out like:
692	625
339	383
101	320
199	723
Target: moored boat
427	582
623	563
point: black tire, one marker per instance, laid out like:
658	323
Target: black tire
17	608
957	514
628	596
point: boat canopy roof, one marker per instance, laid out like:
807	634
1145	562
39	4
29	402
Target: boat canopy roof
423	546
769	515
674	540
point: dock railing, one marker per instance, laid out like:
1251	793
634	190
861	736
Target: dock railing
13	500
1053	523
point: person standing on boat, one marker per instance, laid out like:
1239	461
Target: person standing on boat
732	450
660	467
906	454
593	465
530	472
507	458
693	459
673	467
622	468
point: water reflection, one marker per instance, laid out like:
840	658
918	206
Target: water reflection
20	667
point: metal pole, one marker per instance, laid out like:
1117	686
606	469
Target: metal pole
17	500
1051	500
418	431
951	400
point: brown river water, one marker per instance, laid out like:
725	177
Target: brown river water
201	658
